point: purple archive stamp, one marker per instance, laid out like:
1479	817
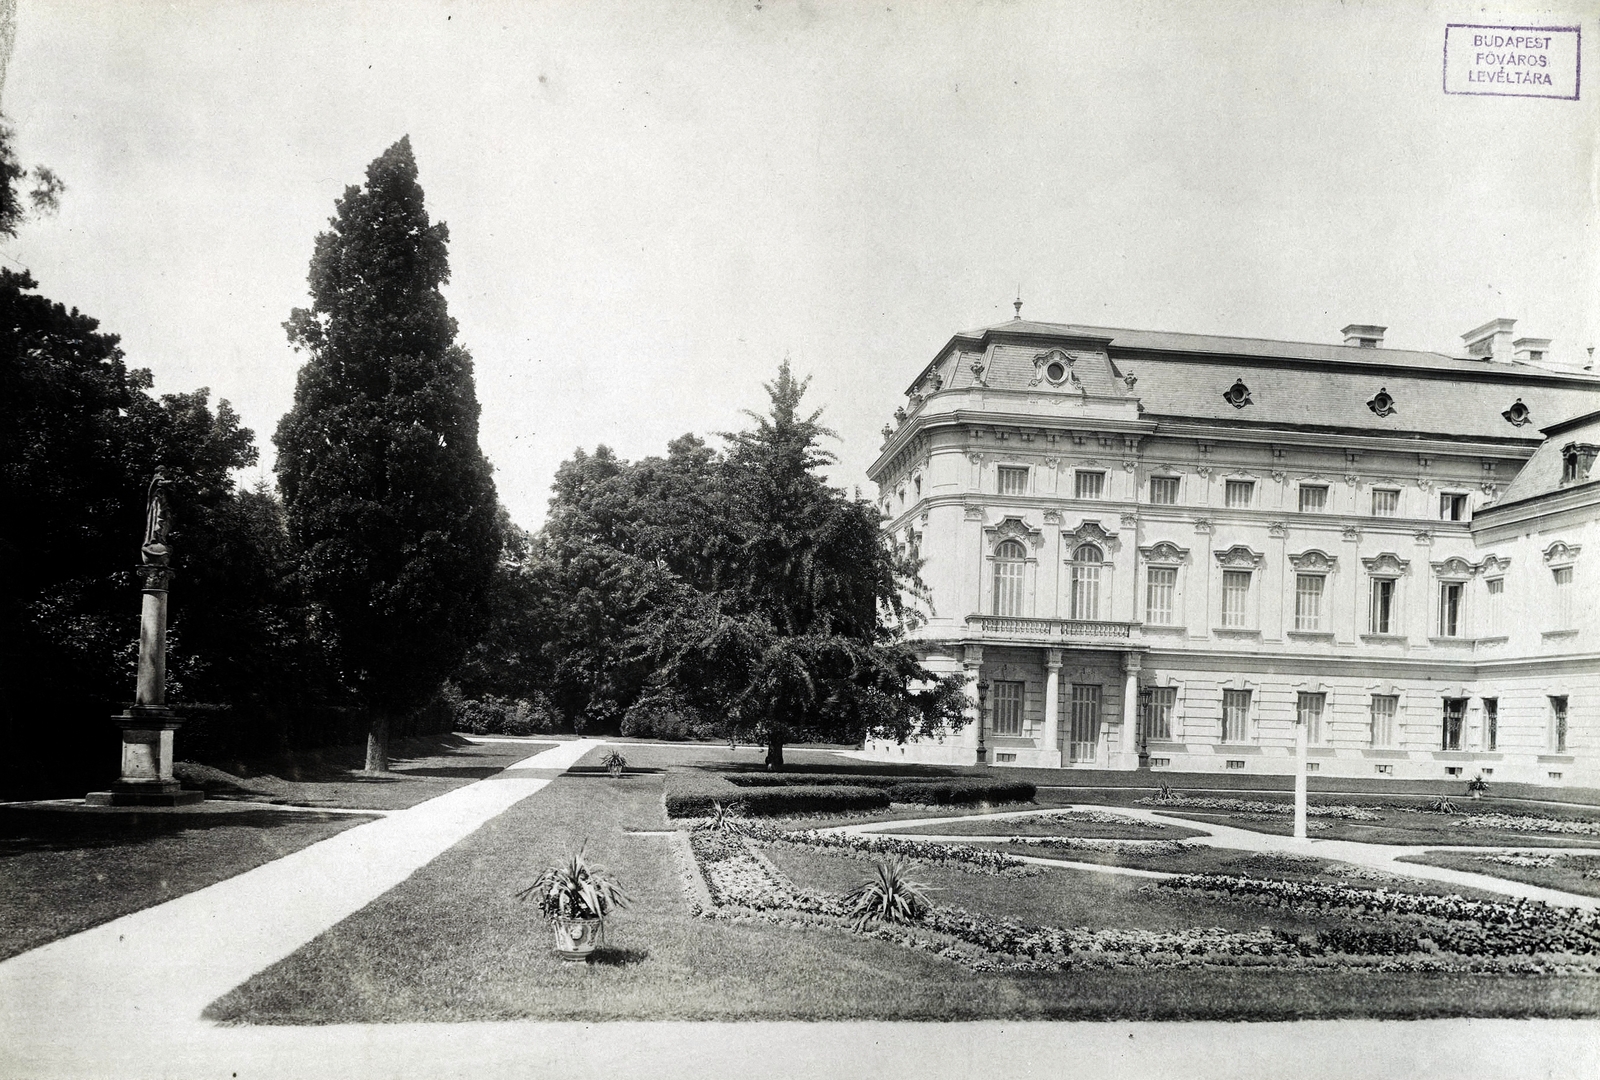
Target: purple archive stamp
1512	61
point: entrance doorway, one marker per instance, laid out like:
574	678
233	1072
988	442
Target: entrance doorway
1084	736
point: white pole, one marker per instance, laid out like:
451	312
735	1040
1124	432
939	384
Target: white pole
1299	779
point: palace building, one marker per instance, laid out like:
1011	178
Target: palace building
1165	551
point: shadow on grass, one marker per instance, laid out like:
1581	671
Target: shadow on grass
467	772
25	829
607	956
589	771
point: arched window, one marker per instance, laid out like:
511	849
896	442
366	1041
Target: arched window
1086	562
1010	559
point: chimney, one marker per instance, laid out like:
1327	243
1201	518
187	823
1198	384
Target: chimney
1491	341
1531	350
1366	337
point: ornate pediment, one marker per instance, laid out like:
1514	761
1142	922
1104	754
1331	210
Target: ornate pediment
1164	552
1239	555
1387	565
1054	367
1312	559
1014	528
1561	552
1494	564
1091	532
1453	567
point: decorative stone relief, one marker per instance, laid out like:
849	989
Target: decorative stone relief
1014	528
1052	462
1387	564
1279	475
1491	564
1237	395
1561	551
1453	567
1052	517
1128	464
1203	527
1518	415
1312	559
1130	520
1278	530
1350	534
1239	555
972	512
1164	552
1424	537
1091	532
1382	403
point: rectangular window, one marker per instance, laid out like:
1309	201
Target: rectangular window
1013	480
1562	608
1309	713
1383	770
1239	493
1084	735
1235	715
1491	723
1558	724
1089	485
1385	502
1450	609
1455	710
1495	615
1164	490
1308	601
1233	763
1383	609
1313	498
1161	582
1155	711
1235	597
1384	707
1452	506
1007	708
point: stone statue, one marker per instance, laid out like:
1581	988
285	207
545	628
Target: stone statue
157	520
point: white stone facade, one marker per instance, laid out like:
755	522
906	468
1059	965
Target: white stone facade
1163	551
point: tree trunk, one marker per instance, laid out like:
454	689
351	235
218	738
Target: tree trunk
775	751
378	744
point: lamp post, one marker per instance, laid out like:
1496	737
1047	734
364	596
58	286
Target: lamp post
983	706
1301	737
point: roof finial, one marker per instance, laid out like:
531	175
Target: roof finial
1018	303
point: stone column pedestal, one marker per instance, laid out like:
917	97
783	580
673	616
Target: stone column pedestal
1126	754
146	778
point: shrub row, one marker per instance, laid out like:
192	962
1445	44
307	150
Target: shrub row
692	793
695	794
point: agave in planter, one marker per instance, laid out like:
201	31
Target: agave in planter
614	763
576	896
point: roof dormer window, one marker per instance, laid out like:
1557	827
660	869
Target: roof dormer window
1576	461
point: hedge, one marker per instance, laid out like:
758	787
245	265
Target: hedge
962	790
694	793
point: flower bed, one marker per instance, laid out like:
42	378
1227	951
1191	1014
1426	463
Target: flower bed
1528	823
694	792
744	886
1451	923
1117	847
1343	811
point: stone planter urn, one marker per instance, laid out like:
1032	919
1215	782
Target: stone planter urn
576	938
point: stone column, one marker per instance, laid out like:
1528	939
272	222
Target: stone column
1050	752
1301	738
1128	756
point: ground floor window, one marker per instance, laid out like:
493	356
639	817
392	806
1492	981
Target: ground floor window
1309	713
1084	736
1455	709
1155	711
1491	723
1384	707
1235	715
1007	708
1558	724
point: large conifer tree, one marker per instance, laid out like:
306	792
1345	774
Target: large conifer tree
390	502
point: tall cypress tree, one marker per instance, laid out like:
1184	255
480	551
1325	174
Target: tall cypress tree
390	502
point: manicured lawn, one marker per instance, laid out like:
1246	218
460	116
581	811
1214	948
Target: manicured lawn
64	869
1063	824
451	943
1571	873
420	769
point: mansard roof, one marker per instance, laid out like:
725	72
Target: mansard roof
1304	385
1541	475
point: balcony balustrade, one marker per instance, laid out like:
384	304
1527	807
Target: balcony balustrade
1016	628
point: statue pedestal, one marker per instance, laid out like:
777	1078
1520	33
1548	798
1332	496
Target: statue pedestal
147	778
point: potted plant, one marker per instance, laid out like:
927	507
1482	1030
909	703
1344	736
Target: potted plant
614	763
576	896
1477	786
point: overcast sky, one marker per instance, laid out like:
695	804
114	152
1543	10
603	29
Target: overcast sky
651	205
